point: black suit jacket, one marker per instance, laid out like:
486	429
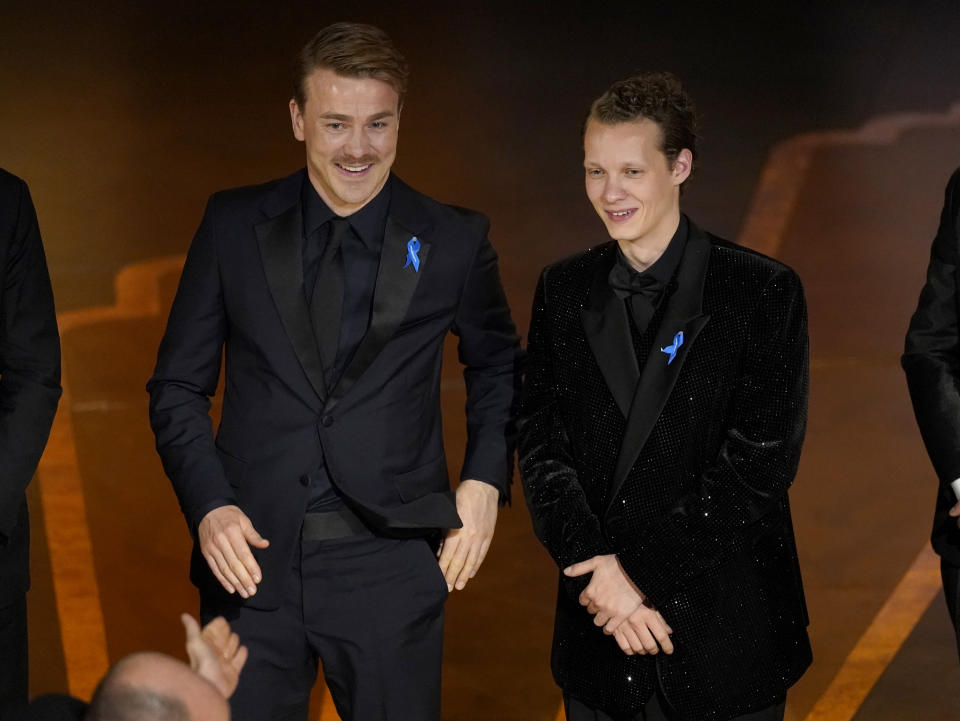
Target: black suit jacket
53	707
680	468
932	364
29	374
241	294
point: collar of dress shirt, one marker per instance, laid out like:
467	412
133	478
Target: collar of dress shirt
368	223
664	266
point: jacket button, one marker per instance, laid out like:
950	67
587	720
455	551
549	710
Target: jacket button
326	421
305	480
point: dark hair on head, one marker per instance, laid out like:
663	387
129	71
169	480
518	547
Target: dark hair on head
354	50
659	97
117	701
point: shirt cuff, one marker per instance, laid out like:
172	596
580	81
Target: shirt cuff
955	485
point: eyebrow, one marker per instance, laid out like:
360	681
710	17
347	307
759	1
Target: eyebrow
375	116
629	163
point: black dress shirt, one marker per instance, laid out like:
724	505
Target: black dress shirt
361	260
643	291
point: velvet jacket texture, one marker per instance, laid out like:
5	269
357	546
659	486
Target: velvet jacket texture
29	375
241	295
680	467
932	364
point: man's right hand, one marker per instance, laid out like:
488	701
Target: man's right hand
225	536
955	512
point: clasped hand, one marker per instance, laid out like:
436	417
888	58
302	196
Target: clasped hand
618	606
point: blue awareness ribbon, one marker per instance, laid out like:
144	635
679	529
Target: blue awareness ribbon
671	350
413	247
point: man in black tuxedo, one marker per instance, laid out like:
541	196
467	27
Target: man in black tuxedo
29	392
932	364
661	421
330	292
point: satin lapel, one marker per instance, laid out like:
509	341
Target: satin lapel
608	332
683	313
396	283
279	239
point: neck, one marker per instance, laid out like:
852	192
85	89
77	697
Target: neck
643	252
342	209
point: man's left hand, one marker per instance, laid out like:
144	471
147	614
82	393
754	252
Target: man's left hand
464	549
610	596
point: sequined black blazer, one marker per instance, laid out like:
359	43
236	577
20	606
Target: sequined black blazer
680	467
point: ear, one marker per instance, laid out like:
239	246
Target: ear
682	166
296	120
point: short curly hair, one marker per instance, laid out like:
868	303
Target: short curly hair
656	96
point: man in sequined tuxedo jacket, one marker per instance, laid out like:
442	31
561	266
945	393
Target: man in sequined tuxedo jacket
661	422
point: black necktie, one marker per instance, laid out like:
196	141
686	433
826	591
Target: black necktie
642	289
326	305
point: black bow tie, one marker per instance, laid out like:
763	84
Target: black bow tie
627	282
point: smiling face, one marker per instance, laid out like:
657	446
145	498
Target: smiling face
631	183
350	128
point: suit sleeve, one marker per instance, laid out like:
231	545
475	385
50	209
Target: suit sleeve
489	351
758	457
562	517
29	357
932	357
185	377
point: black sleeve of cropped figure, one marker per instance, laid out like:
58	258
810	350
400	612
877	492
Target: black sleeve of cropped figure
29	348
932	358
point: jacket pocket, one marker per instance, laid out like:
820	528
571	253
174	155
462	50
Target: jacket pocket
234	468
418	482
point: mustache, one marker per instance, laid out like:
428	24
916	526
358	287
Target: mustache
362	160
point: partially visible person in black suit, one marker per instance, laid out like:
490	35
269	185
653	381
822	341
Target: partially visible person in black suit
316	505
149	686
662	416
29	392
932	364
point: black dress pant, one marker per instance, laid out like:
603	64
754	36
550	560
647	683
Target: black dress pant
576	710
13	656
370	610
951	590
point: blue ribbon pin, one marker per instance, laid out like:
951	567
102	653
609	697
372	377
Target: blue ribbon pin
671	350
413	247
